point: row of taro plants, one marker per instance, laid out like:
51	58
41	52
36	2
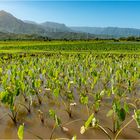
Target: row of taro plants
88	80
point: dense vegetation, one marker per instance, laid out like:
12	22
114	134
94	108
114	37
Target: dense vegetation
71	94
91	45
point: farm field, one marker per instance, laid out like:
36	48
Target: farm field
70	89
101	46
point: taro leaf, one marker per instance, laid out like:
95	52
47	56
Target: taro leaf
97	105
51	73
88	122
137	117
70	96
116	106
129	86
57	120
110	112
7	98
54	116
121	114
52	113
69	85
37	83
21	132
33	83
126	107
129	83
44	72
80	82
97	97
94	73
56	92
83	99
22	86
17	91
117	125
0	70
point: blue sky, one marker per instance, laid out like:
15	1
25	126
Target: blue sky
77	13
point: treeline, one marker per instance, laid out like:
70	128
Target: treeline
20	37
130	38
63	37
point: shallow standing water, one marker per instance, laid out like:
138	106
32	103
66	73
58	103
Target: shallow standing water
34	129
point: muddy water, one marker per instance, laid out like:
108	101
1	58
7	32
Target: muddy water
34	129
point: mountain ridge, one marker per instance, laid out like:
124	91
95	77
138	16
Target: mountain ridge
11	24
115	31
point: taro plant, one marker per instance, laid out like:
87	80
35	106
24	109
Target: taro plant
58	123
118	114
8	98
68	99
84	99
97	100
92	122
41	116
57	120
136	117
36	83
29	104
70	102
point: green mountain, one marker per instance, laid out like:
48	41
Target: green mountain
8	23
12	36
15	27
55	27
114	31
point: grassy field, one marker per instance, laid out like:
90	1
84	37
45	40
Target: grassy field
70	46
79	89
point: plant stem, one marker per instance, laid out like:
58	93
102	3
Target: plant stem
61	139
13	118
123	128
114	121
104	131
67	123
52	131
28	109
38	98
87	109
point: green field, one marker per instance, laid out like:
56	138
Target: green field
67	46
70	89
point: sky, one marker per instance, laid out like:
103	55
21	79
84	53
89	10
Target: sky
77	13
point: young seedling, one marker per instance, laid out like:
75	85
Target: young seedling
41	116
135	117
53	115
84	101
118	114
97	101
36	83
28	107
8	97
58	123
93	123
68	106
